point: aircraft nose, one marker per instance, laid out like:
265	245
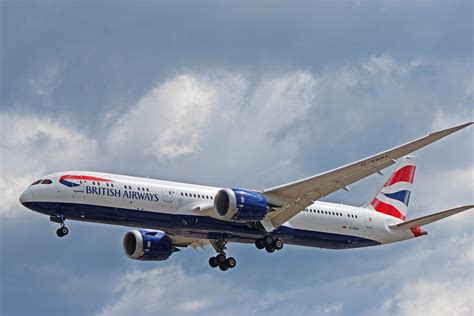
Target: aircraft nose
26	196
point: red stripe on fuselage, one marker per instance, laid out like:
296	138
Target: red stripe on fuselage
387	209
405	174
90	178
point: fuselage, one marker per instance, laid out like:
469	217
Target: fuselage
172	208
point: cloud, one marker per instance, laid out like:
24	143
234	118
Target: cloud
34	145
169	121
434	292
160	290
452	297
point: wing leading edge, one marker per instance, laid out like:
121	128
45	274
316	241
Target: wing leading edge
295	196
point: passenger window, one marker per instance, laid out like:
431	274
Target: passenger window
46	181
147	189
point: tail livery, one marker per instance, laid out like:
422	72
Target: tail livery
392	199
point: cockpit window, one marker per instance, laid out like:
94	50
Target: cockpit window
46	181
36	182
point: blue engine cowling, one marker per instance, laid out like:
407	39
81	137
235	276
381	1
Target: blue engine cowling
148	245
240	205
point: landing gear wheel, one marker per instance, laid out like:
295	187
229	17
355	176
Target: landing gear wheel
259	243
221	259
268	240
278	244
231	263
213	262
223	267
269	249
62	231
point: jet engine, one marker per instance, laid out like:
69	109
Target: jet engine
148	245
240	205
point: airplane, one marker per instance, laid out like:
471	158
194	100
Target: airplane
169	216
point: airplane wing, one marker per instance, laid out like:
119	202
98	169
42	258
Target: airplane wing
430	218
292	198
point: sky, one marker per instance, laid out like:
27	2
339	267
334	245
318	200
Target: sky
243	94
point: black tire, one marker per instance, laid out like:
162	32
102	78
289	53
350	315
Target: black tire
213	262
64	230
224	267
221	259
269	249
259	243
59	232
268	240
278	244
231	262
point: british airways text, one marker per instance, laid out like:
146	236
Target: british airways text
152	197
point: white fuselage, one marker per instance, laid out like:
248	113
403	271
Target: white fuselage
176	208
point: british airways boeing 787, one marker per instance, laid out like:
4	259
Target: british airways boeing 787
170	215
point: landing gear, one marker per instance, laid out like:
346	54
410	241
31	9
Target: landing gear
221	259
222	262
269	243
63	230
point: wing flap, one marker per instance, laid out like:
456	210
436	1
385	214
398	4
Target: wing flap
195	243
425	220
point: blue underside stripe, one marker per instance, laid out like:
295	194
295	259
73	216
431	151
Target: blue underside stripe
196	226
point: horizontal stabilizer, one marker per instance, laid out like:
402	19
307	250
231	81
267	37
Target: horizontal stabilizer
430	218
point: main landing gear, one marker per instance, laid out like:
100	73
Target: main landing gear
221	260
269	243
63	230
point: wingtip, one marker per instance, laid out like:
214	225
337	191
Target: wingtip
453	129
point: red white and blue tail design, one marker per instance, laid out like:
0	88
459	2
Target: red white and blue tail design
392	199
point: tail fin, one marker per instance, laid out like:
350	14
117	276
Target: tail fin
392	199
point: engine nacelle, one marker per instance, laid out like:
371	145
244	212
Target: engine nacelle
240	205
148	245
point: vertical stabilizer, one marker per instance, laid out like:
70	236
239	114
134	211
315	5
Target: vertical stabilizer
392	199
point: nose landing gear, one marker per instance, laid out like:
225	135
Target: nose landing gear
63	230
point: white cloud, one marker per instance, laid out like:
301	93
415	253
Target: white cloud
171	119
173	291
425	297
33	145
